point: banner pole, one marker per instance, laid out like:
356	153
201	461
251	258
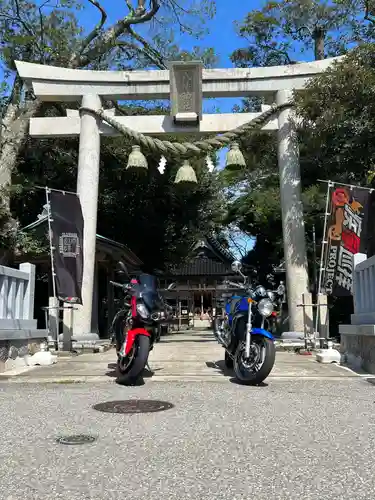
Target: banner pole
324	242
51	249
351	186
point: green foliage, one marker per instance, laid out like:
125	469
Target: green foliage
39	32
339	108
283	29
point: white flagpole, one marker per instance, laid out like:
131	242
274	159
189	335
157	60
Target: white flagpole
324	241
322	253
52	248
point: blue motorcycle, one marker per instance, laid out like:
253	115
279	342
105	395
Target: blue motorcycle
249	348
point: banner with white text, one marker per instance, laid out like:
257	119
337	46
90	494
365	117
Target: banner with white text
344	233
67	240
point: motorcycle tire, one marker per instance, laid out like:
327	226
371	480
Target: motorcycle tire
228	361
136	368
248	377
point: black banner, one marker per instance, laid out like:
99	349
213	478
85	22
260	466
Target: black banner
345	231
67	240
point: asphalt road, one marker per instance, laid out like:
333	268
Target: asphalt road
288	440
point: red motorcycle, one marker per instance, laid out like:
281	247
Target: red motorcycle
135	327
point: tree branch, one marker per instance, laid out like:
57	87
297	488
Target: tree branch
281	52
369	12
150	52
130	7
154	58
41	23
176	6
98	28
108	38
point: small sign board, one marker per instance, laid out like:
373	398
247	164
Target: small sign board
186	91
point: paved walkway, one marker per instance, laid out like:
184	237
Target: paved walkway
307	433
179	357
294	440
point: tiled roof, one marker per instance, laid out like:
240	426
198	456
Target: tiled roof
210	259
226	254
203	267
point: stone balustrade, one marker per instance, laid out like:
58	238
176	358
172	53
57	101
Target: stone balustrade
19	335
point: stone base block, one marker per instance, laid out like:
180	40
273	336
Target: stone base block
358	349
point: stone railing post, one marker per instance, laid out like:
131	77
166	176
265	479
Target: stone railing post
29	291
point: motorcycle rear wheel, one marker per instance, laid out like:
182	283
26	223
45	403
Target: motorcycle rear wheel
134	370
254	375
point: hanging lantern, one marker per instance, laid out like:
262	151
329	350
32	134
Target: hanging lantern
235	158
186	173
137	159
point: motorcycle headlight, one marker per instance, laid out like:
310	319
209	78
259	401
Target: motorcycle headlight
142	311
265	307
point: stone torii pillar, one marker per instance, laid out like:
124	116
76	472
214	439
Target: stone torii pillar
87	190
292	212
89	87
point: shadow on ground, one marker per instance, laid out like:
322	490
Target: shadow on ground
146	373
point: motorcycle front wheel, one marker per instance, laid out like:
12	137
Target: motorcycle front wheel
254	370
129	372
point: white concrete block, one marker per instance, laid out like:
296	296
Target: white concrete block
41	358
327	356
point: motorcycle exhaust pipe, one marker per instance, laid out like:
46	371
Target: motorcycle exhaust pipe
218	336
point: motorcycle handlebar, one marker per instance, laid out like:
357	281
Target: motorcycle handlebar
119	285
235	285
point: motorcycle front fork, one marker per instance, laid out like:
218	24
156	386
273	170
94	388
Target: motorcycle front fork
248	334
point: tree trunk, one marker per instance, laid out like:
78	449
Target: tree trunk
14	133
319	39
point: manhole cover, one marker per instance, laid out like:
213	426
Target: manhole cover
133	406
76	439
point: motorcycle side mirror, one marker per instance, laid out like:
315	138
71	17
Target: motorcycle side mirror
236	266
171	286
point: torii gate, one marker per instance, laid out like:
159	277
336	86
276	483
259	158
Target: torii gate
275	84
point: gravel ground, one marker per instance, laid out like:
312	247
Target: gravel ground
288	440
